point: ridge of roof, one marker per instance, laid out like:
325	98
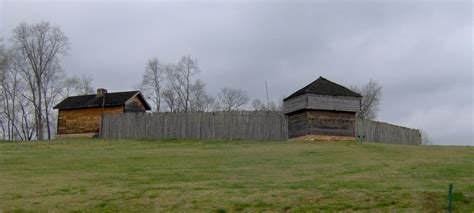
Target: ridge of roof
323	86
91	100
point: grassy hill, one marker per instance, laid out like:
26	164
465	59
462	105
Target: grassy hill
86	174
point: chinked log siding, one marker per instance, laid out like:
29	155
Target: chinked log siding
336	103
322	102
297	124
317	122
295	104
84	120
81	115
331	123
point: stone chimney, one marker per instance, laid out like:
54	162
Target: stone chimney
101	92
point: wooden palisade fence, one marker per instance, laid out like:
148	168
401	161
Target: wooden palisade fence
247	125
374	131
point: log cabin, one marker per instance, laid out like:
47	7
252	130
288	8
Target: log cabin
80	116
322	110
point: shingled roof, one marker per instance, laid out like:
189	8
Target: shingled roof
109	99
322	86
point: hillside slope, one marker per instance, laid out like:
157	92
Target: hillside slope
86	174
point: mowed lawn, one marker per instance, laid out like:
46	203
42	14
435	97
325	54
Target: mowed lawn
231	176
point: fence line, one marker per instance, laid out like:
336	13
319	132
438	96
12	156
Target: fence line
374	131
255	125
248	125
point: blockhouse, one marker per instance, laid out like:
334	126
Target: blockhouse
322	110
81	115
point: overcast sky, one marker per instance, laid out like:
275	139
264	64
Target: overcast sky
420	52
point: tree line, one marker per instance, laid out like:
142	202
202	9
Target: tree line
177	88
32	82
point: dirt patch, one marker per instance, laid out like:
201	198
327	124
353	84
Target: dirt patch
433	202
322	138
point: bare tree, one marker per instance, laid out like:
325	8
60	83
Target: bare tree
152	82
200	100
3	56
70	85
258	105
3	65
425	138
26	121
232	99
76	85
17	120
272	106
52	88
372	93
170	99
180	78
9	88
85	86
38	47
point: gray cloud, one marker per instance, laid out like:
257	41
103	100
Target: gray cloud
421	52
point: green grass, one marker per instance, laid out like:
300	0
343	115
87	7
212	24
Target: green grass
232	176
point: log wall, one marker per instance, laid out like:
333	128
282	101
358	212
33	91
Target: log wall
84	120
295	104
322	102
332	123
298	124
320	122
335	103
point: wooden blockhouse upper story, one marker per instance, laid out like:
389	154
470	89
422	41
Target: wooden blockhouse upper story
81	115
322	110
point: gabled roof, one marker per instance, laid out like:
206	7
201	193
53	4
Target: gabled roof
110	99
322	86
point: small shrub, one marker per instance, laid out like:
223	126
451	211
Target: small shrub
221	210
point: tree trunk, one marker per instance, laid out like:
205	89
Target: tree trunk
46	112
48	126
3	130
39	124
